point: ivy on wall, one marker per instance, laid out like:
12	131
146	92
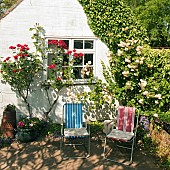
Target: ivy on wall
112	21
138	75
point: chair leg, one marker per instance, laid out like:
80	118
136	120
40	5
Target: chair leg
104	150
131	156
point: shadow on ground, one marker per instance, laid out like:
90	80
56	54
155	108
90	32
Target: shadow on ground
44	154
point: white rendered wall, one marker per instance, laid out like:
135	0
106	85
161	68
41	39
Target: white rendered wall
59	18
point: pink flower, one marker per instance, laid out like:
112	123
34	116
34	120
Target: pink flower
21	124
58	79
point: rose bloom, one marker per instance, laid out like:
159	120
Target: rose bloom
119	52
81	54
145	93
143	83
158	96
141	101
59	79
127	60
125	73
51	66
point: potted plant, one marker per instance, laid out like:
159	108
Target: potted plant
8	123
28	129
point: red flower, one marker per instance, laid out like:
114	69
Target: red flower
62	44
12	47
19	45
58	79
8	58
81	54
68	52
26	55
74	50
14	71
25	45
75	55
51	66
55	42
15	57
5	61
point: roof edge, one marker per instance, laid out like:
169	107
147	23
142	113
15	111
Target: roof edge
10	9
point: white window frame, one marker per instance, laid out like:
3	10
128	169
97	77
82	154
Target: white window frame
71	44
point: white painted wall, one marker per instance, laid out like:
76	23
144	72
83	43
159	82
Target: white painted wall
59	18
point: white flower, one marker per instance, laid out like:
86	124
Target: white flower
156	102
150	65
139	48
31	125
126	49
125	73
142	58
122	44
141	62
155	115
129	66
89	62
87	73
145	93
128	84
143	83
158	96
119	52
137	61
141	101
127	60
155	88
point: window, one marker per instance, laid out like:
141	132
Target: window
83	67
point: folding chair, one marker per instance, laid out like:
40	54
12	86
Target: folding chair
124	133
73	129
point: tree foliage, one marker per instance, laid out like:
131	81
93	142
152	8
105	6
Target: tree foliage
137	75
154	16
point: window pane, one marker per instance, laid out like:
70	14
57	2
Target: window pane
78	61
78	44
65	60
77	72
88	44
67	42
87	58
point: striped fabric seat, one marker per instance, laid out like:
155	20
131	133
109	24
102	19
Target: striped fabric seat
125	124
124	131
74	128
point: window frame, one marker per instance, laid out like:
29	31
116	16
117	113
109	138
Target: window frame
71	45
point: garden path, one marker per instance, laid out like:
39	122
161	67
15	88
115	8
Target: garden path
44	154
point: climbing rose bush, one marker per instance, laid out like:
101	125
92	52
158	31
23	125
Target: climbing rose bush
20	69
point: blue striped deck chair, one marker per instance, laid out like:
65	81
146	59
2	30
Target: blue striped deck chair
74	129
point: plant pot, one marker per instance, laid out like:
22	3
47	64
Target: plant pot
26	135
8	124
